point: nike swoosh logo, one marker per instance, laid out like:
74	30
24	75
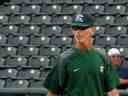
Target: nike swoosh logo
75	70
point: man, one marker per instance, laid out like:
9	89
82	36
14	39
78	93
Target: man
81	70
117	61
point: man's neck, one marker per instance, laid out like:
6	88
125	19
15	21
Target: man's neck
82	48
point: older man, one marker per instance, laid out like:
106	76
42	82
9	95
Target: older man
82	70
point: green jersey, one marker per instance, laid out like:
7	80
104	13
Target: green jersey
86	73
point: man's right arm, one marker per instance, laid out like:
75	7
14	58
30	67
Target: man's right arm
56	78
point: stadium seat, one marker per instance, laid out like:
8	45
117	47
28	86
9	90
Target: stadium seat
3	19
18	40
29	30
119	2
4	1
3	39
44	74
102	1
53	61
124	52
11	9
61	20
2	62
104	41
8	73
114	9
41	19
38	61
31	9
104	20
27	50
100	30
115	30
17	84
36	84
15	61
67	30
49	50
51	9
126	11
61	41
29	74
8	29
71	9
20	1
50	30
61	1
14	9
37	1
121	20
4	10
122	40
93	9
78	1
19	19
7	51
39	40
2	83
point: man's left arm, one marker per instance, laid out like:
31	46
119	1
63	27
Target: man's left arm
113	92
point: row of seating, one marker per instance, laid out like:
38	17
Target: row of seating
68	1
24	74
13	83
43	32
27	62
29	50
64	9
60	20
101	39
48	50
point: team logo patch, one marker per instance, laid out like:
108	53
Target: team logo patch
79	18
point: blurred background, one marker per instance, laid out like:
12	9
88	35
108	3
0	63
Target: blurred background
34	32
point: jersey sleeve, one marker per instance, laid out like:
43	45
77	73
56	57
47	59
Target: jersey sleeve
111	76
55	79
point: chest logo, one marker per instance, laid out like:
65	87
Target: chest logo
101	68
77	69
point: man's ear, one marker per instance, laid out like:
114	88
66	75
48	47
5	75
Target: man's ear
76	35
93	29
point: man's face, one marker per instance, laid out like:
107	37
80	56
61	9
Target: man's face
83	36
115	59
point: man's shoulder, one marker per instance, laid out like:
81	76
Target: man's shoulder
100	51
103	55
67	53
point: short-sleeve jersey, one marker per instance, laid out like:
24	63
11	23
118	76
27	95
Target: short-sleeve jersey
86	73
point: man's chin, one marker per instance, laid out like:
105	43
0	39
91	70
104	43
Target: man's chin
87	46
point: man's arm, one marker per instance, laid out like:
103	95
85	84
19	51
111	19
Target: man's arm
50	93
123	81
114	92
55	80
